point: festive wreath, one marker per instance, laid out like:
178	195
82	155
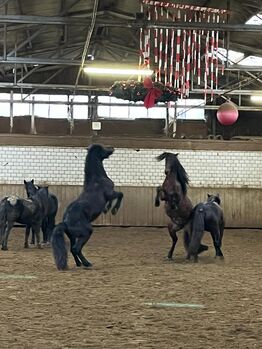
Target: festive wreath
147	91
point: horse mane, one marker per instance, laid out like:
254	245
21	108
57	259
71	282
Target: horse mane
176	168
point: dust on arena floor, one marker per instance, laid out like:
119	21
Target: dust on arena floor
105	307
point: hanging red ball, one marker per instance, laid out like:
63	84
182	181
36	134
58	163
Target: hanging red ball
227	113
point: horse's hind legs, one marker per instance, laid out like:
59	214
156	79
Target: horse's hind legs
76	258
172	232
217	242
27	233
45	230
8	228
77	248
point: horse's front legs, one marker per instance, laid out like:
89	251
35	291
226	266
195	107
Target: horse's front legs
36	231
107	206
118	195
27	233
160	195
172	228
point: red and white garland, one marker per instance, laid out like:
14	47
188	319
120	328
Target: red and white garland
177	52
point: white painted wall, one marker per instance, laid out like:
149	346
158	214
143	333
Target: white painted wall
129	167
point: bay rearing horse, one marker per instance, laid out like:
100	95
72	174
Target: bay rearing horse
96	197
173	192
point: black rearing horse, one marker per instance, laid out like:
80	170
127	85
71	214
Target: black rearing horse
173	192
96	197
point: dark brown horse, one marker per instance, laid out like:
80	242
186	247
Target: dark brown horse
173	192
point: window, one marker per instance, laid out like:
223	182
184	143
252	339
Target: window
42	110
21	109
57	111
189	110
4	109
46	109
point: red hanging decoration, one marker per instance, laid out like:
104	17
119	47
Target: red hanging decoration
177	53
153	93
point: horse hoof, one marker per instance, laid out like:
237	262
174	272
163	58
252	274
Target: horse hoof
87	265
26	246
220	257
4	248
202	248
114	211
169	259
39	246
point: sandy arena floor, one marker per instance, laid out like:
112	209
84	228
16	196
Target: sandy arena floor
104	307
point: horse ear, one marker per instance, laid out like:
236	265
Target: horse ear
32	181
176	154
24	181
208	195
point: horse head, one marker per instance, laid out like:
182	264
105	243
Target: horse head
99	151
173	166
214	198
42	196
30	188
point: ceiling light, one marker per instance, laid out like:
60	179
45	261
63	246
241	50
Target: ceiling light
116	71
256	99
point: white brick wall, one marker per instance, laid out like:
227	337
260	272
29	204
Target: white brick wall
130	167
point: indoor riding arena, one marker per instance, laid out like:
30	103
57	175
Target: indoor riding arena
130	174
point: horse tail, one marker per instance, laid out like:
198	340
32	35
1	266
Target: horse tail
198	227
59	246
55	202
3	217
186	240
162	156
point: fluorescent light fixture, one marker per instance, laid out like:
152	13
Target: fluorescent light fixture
117	71
256	99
